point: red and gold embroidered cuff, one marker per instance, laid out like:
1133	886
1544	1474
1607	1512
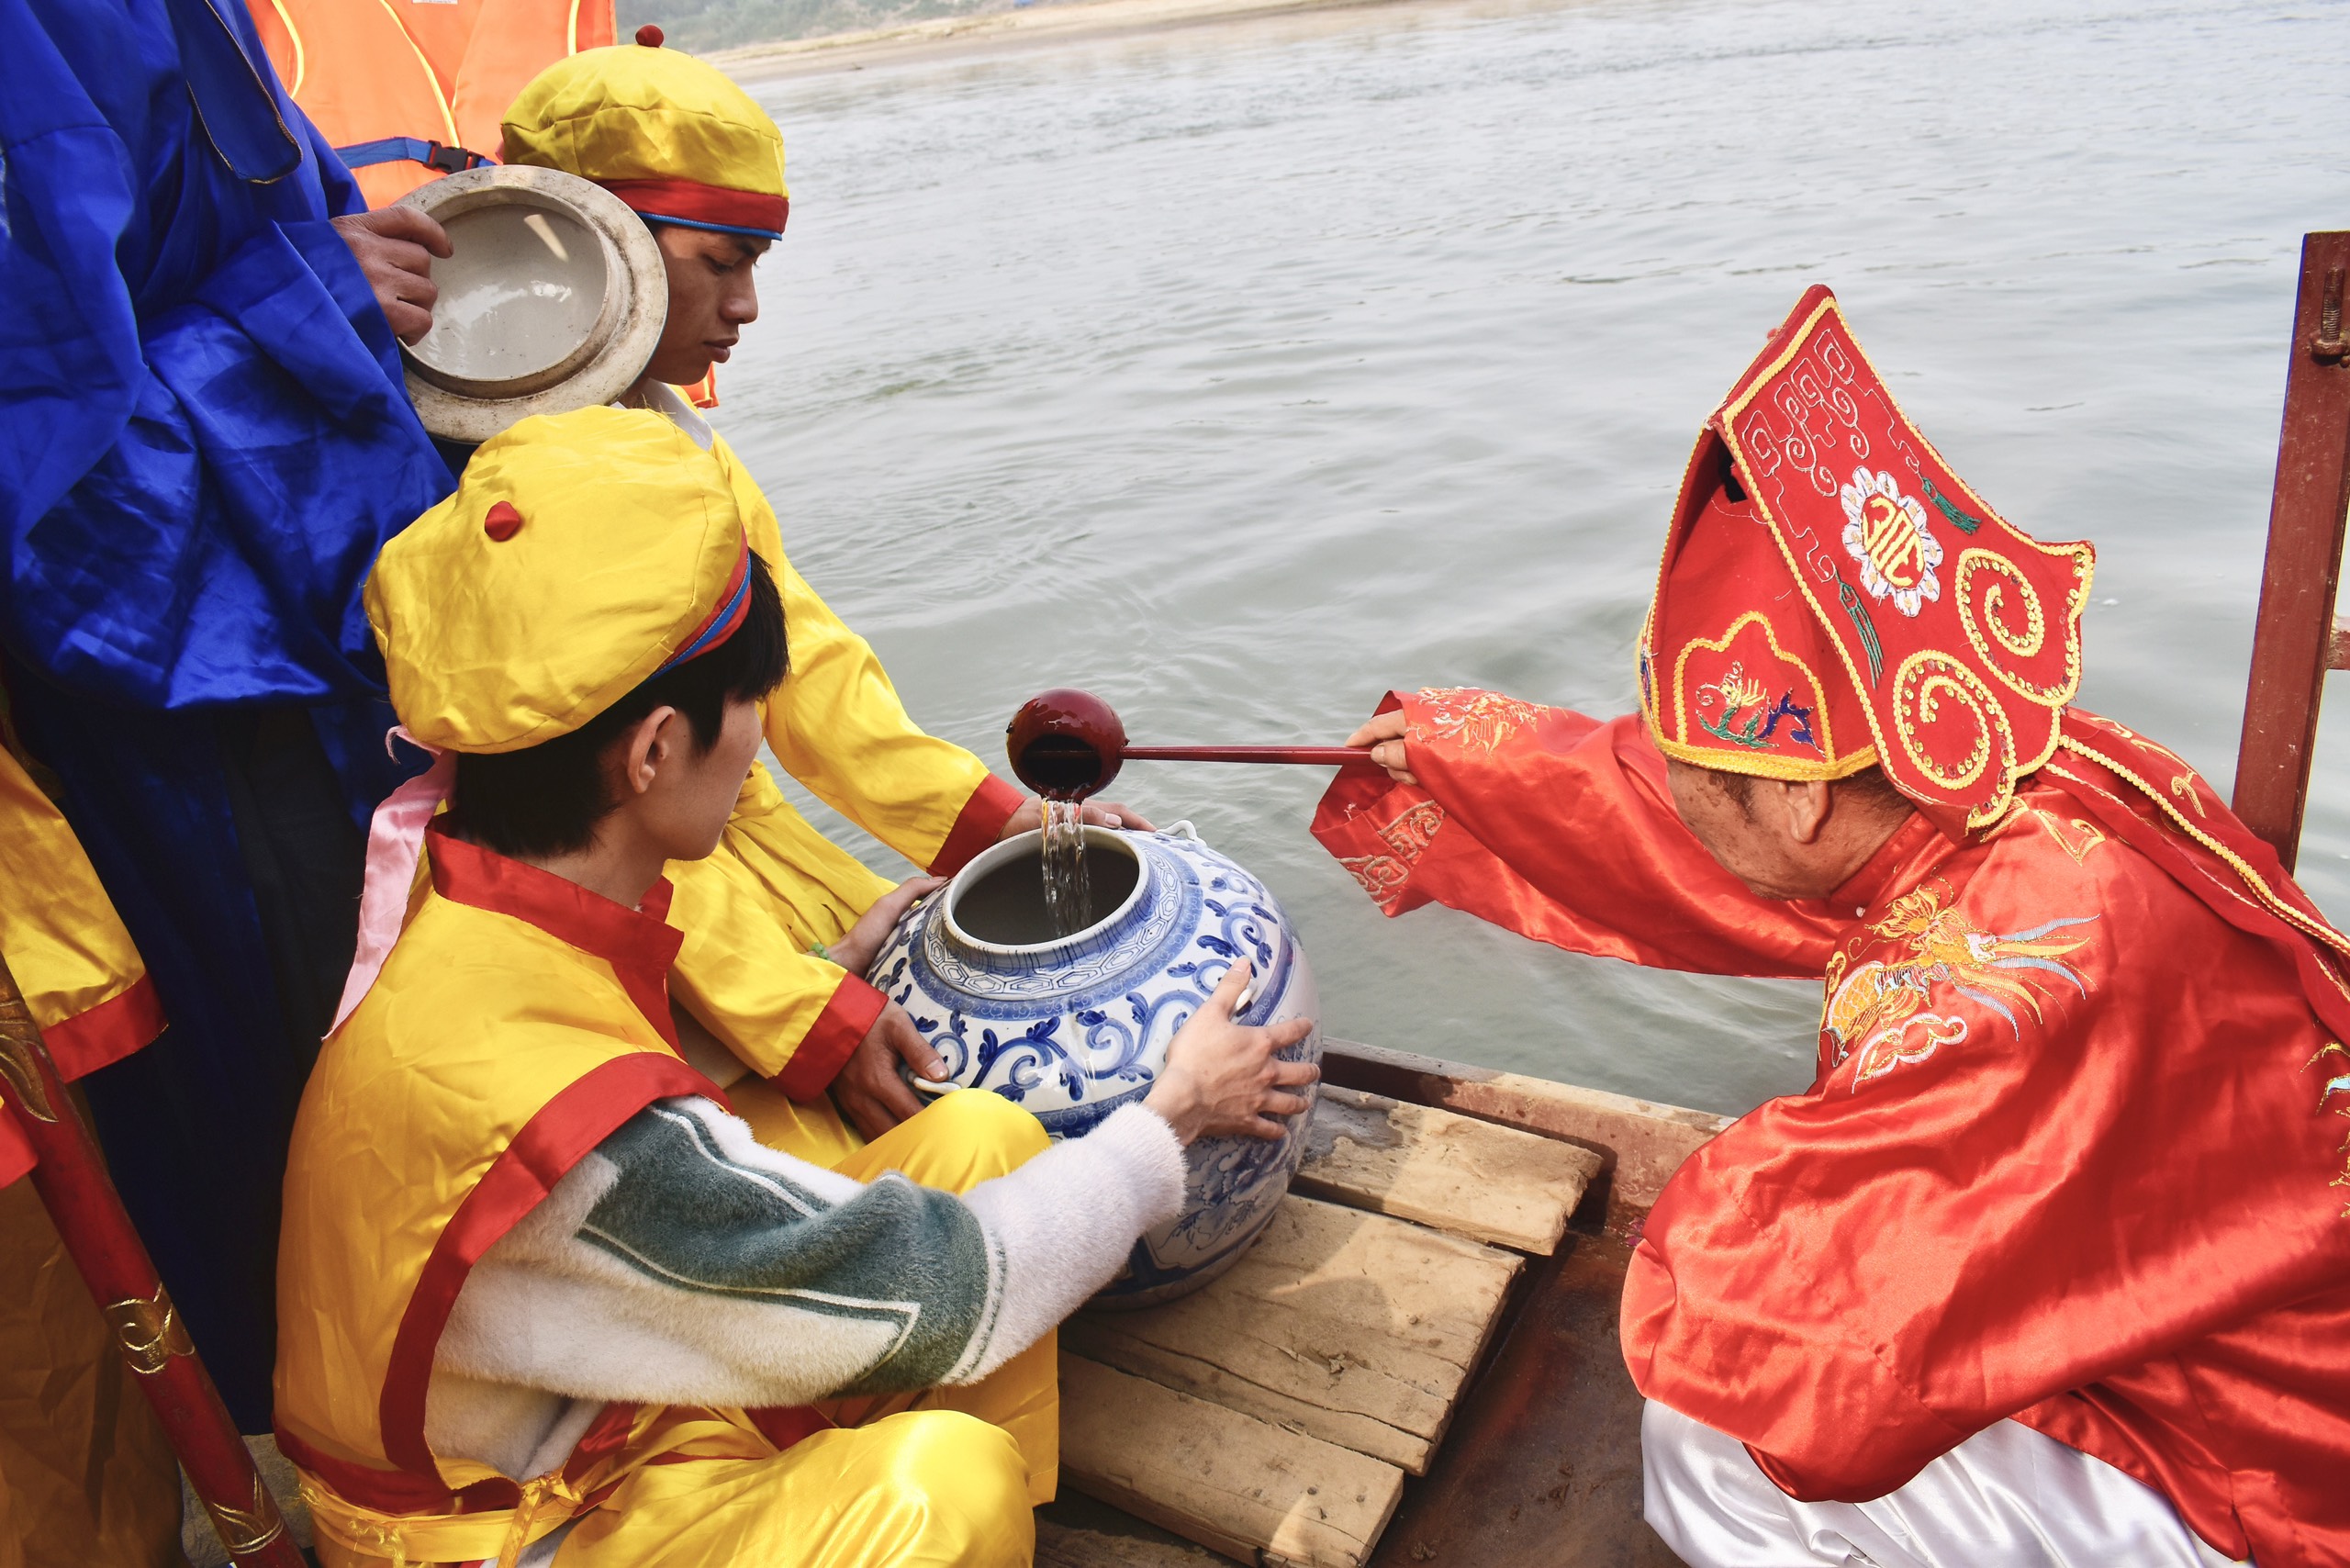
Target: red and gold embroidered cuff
980	824
825	1048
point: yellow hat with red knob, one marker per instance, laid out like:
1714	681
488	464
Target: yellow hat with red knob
672	137
582	555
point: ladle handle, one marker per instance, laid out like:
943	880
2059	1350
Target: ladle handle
1313	756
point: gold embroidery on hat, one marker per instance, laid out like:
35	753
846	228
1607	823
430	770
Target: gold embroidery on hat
1923	683
1992	626
1760	453
1816	563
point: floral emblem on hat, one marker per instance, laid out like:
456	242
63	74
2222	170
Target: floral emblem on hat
1886	532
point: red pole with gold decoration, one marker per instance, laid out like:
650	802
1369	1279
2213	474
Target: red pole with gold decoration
80	1195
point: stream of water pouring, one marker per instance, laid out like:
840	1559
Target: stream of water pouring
1068	897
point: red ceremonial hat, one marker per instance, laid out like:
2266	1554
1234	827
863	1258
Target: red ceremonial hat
1833	596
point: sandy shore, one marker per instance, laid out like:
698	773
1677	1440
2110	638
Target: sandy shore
948	36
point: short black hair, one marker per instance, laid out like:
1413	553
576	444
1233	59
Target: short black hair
547	798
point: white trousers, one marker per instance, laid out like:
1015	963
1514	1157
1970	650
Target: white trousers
2006	1495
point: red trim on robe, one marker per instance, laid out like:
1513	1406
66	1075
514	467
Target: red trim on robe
830	1041
638	943
397	1492
564	1132
394	1491
980	824
101	1036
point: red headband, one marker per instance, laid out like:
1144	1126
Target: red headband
696	206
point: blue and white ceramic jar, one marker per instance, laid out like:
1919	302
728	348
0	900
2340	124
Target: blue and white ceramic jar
1073	1027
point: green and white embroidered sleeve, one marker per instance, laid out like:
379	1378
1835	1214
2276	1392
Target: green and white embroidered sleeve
684	1262
892	1268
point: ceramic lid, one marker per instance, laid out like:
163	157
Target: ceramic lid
554	299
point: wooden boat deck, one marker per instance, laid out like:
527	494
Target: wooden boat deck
1418	1364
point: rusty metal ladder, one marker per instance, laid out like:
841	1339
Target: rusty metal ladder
2297	639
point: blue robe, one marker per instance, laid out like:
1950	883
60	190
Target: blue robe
205	441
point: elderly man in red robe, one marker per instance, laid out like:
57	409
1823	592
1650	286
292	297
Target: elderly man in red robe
2051	1263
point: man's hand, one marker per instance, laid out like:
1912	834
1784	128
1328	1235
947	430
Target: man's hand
857	951
394	247
867	1088
1223	1080
1099	813
1384	735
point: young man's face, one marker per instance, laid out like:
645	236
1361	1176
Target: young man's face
712	298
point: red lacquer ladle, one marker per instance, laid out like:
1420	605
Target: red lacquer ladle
1065	744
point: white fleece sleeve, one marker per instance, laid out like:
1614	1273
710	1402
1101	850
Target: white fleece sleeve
684	1262
1066	1220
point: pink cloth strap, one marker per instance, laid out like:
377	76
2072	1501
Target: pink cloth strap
395	840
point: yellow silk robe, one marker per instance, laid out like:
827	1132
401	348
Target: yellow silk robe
86	1476
81	976
518	1021
776	887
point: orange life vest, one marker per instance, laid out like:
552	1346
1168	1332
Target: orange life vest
410	90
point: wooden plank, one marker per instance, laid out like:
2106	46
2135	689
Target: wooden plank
1244	1488
1060	1546
1472	1178
1641	1142
1354	1328
1542	1469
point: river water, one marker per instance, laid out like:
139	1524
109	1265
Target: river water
1240	374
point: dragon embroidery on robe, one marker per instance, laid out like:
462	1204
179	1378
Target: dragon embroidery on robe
1474	719
1879	1013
